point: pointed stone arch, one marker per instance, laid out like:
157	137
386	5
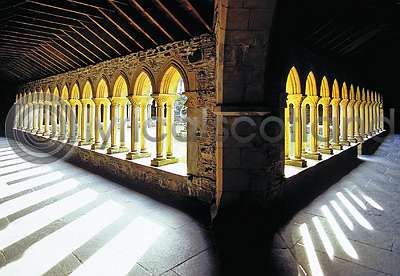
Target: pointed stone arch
293	85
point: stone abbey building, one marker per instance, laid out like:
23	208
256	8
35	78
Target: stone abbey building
228	103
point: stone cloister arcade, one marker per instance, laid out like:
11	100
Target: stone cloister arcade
318	121
99	119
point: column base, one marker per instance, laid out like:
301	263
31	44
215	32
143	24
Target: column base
46	134
96	146
337	146
61	138
112	150
345	143
359	139
301	163
312	155
137	155
84	143
123	149
158	162
34	131
326	150
40	132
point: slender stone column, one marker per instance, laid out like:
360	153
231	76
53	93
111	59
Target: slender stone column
313	154
350	122
91	123
159	132
63	119
40	122
371	118
297	160
335	122
83	125
30	117
362	119
344	123
357	121
138	107
97	125
287	132
46	119
325	147
366	120
143	124
382	118
170	117
16	115
54	132
106	130
133	152
35	117
114	146
122	126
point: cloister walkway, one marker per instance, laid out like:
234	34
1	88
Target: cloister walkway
58	219
351	229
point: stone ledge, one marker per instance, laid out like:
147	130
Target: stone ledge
135	175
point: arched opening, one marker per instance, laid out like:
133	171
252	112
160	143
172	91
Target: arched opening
103	116
173	85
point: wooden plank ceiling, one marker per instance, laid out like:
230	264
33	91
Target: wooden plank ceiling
39	38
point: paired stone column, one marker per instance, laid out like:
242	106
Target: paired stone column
16	112
138	103
160	159
54	131
30	117
313	153
64	114
114	146
297	160
47	106
344	118
357	121
35	117
350	123
335	124
101	131
362	119
366	120
122	125
41	113
75	119
85	115
324	146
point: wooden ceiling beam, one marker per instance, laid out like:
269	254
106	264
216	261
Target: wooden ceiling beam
37	60
64	9
73	47
121	29
53	61
36	25
35	19
43	70
189	7
62	54
101	39
91	5
19	37
57	57
90	42
16	41
83	46
32	31
71	54
109	34
153	21
81	19
172	16
26	34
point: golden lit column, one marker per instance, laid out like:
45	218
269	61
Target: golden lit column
297	160
169	124
87	138
41	111
362	119
135	101
367	126
16	113
30	117
101	129
382	117
144	102
21	113
114	146
377	116
63	119
335	124
97	123
122	124
35	116
372	117
287	132
54	132
325	147
160	160
344	118
47	106
74	122
314	154
357	123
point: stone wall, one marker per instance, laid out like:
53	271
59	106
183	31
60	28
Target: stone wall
196	60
